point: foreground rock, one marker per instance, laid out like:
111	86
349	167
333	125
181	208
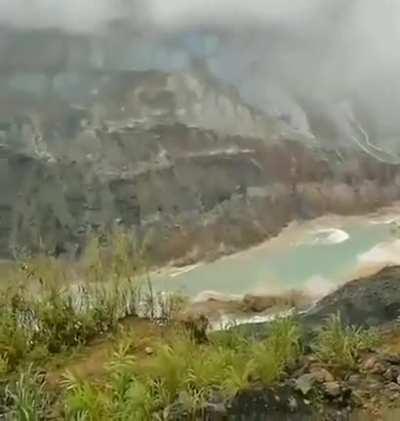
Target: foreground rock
369	391
317	394
372	301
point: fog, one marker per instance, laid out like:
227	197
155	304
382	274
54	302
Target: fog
283	55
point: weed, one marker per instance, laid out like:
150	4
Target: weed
238	375
14	340
170	367
229	339
279	351
268	365
3	365
285	340
138	403
341	345
28	399
83	400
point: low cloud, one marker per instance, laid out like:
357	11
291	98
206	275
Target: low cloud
278	52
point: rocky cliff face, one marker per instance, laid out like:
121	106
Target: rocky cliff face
179	158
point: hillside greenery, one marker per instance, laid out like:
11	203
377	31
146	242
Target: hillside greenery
53	315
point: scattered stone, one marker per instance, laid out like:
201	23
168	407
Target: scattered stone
148	350
392	359
393	387
357	398
332	389
305	383
391	373
378	368
354	379
292	404
309	359
375	386
374	399
321	375
257	304
370	363
374	365
217	408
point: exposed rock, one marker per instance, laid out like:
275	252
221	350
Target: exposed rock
292	404
370	363
148	152
257	304
391	358
378	368
332	389
280	403
394	387
369	301
148	350
354	380
305	383
391	374
321	375
217	409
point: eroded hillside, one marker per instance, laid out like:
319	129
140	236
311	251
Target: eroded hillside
180	158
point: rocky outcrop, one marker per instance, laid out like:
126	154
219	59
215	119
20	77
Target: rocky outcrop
183	162
371	301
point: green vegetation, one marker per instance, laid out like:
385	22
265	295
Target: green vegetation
179	373
27	398
55	310
47	308
341	346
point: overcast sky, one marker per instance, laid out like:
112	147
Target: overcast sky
88	14
332	49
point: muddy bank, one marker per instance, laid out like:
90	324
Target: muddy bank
223	312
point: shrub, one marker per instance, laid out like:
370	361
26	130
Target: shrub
14	340
138	403
237	373
341	345
229	339
28	400
268	366
3	365
285	340
170	367
60	325
279	351
83	400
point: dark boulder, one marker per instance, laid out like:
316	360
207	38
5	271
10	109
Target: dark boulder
371	301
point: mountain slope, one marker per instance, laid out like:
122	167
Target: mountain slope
179	158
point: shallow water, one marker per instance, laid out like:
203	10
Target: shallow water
315	256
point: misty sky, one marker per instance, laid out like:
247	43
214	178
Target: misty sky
275	51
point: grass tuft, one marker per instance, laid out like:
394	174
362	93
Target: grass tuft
340	345
28	400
